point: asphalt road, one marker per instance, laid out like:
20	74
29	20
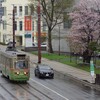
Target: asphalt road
45	89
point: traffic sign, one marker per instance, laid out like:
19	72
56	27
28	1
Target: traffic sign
92	68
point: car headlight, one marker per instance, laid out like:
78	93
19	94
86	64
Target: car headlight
25	73
17	72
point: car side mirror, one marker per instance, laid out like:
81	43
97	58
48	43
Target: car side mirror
51	68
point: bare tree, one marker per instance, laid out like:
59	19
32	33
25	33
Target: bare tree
53	13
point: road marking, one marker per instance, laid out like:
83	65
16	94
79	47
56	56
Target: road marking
50	89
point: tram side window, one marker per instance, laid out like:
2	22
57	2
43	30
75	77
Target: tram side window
0	58
9	63
3	60
20	65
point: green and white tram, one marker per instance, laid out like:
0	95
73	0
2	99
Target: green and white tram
15	65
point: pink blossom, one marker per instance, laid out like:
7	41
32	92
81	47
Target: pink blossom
85	23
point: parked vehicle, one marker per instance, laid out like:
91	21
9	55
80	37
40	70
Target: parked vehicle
43	71
34	44
43	44
99	54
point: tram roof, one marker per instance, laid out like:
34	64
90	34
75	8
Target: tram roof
12	53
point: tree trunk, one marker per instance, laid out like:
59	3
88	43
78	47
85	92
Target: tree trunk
87	56
49	46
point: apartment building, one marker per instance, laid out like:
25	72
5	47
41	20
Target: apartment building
24	24
1	10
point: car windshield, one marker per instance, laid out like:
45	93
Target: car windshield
45	68
21	65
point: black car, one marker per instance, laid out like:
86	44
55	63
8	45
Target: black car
43	71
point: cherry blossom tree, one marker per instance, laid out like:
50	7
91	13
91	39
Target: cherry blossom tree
84	36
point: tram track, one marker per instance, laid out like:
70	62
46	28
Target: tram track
14	97
29	92
39	92
1	97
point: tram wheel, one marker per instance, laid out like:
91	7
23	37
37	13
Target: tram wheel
35	74
2	75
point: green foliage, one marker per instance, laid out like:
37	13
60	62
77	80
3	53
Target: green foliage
93	46
65	59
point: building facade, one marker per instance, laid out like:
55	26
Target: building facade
24	23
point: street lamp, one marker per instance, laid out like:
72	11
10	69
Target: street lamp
39	32
13	27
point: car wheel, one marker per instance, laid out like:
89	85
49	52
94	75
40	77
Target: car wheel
39	76
52	77
2	75
35	73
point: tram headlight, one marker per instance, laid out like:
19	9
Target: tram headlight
17	73
25	73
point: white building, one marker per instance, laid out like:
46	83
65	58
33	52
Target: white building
24	23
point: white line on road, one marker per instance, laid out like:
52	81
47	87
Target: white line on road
50	89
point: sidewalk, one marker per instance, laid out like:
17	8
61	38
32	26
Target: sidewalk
77	74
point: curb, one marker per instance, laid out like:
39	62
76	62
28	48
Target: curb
75	79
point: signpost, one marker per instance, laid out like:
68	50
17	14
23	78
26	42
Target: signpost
92	70
28	39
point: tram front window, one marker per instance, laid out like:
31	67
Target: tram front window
20	65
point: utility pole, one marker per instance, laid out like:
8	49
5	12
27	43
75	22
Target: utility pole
39	32
13	27
59	39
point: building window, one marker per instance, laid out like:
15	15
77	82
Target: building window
26	10
44	26
20	26
4	8
15	25
67	24
4	25
20	10
3	0
15	9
